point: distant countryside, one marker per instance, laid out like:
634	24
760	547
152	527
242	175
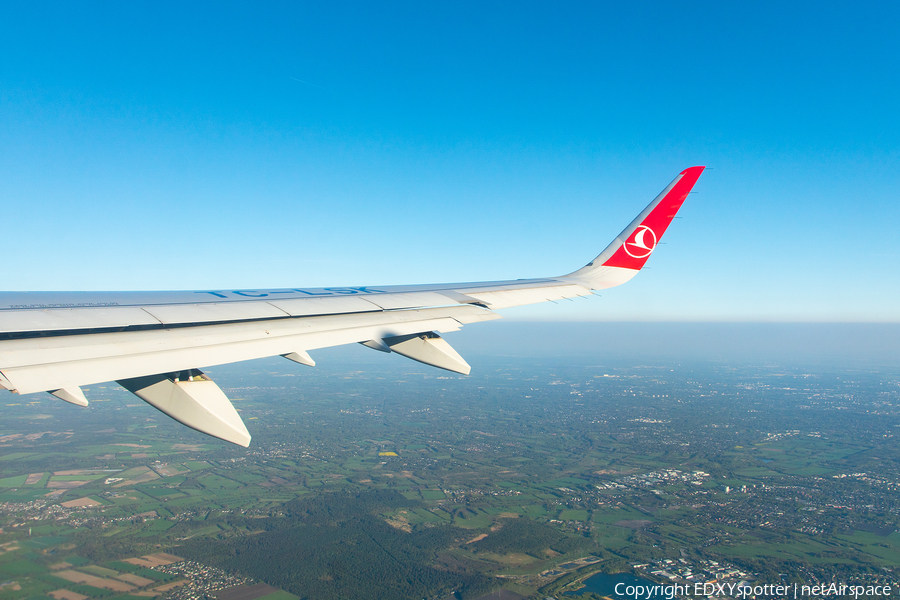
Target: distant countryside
387	479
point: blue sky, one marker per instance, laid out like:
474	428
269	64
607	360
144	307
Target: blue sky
209	145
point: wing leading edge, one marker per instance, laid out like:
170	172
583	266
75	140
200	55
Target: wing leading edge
156	343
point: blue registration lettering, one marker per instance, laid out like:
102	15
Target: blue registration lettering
249	294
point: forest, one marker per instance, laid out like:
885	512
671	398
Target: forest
336	546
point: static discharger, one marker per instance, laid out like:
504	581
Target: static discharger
192	398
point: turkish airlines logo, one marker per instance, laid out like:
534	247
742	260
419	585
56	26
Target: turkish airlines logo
642	243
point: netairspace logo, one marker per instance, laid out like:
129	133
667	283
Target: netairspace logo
743	590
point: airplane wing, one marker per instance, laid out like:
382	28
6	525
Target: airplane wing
155	344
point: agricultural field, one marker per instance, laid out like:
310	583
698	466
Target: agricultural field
468	484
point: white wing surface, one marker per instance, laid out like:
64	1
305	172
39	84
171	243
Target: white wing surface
155	344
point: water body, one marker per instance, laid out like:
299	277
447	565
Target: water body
605	585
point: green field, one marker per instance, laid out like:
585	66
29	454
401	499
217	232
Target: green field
579	462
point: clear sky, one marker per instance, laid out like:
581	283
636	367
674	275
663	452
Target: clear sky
154	145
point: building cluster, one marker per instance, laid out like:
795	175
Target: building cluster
696	571
36	510
886	482
460	495
201	580
25	514
665	477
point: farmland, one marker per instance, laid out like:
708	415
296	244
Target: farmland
461	484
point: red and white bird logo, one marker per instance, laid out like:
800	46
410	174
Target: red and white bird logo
642	243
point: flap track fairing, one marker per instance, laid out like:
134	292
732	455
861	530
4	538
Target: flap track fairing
72	395
192	398
428	348
302	357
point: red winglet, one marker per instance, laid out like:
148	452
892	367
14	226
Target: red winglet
642	241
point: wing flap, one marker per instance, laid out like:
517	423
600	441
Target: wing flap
61	319
34	365
505	298
333	305
173	314
410	300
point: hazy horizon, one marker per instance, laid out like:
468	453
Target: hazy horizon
861	345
